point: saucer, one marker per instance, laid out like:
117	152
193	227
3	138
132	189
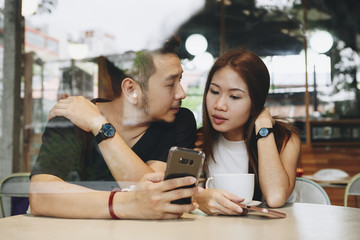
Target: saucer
253	203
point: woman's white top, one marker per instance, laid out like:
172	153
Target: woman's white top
230	156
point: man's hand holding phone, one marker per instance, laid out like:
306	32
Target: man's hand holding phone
183	162
152	197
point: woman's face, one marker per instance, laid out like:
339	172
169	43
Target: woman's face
228	103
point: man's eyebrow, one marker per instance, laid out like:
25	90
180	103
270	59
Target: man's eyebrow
172	76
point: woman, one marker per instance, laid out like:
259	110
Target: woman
233	114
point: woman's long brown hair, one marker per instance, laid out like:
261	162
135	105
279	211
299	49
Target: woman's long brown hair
256	76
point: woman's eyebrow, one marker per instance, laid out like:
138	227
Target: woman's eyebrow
215	85
237	89
231	89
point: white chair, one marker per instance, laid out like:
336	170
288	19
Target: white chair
352	189
308	191
14	185
330	174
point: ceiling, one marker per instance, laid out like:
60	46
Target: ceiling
272	32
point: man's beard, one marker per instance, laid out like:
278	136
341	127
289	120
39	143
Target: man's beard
146	109
145	104
141	115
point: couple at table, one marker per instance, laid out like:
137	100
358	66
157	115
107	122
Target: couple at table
127	139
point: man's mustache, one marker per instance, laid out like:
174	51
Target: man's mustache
178	105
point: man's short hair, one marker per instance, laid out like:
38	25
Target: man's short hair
143	66
116	75
171	45
143	63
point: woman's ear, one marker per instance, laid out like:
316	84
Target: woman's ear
130	88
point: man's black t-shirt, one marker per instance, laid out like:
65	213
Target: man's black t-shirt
72	154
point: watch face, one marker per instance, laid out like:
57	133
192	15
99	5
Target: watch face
264	132
108	130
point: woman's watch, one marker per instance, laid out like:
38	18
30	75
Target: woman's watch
263	132
106	131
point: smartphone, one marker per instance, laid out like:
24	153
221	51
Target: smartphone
265	211
184	162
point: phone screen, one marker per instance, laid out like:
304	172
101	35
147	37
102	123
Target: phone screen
184	162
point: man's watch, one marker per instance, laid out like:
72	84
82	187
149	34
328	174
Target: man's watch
107	131
263	132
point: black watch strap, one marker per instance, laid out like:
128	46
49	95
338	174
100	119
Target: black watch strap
106	131
263	132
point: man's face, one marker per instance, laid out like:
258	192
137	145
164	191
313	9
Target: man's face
164	93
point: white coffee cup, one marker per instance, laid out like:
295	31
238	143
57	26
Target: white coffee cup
241	185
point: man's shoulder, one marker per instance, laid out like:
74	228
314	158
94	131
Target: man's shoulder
185	113
59	122
100	100
62	126
185	119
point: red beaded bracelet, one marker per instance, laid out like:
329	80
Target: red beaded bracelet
111	198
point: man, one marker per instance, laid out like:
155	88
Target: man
119	140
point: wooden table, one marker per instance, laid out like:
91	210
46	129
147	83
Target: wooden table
303	221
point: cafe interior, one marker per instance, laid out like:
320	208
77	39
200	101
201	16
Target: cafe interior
311	48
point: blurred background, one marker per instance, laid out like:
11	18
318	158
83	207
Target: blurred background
311	47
